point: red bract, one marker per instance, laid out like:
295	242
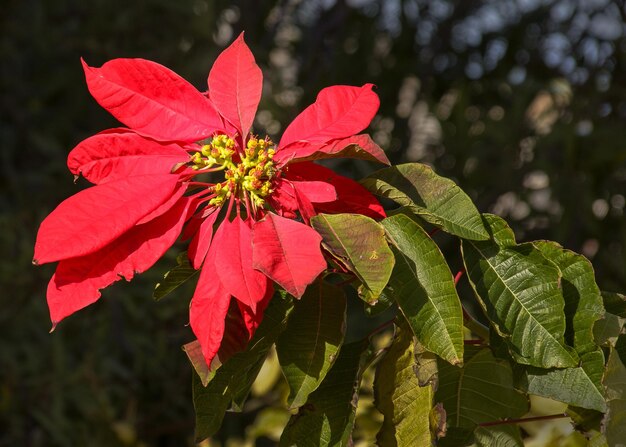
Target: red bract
187	159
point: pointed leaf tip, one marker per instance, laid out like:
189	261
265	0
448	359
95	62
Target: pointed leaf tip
207	313
54	326
120	153
359	242
233	246
436	199
310	344
352	197
358	146
287	252
404	404
77	281
93	218
152	99
423	287
339	111
520	292
235	84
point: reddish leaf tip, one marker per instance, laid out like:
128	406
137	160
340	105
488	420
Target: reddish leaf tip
84	64
54	326
288	252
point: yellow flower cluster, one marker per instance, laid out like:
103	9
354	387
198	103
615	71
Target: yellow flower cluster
248	177
219	152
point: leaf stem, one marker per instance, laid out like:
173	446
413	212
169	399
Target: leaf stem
522	420
381	327
458	276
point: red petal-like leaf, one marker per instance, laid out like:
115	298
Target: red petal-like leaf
252	319
153	100
283	199
288	252
207	312
191	228
233	251
338	112
77	281
234	340
162	208
315	191
235	84
119	153
92	218
357	146
305	207
236	334
291	196
199	245
352	197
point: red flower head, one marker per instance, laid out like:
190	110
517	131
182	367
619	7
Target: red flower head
187	158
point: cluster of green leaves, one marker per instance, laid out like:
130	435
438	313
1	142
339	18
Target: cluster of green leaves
444	377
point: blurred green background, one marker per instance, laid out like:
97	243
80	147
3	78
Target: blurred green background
522	102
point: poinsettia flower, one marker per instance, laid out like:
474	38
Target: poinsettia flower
188	163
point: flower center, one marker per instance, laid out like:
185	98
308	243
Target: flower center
247	173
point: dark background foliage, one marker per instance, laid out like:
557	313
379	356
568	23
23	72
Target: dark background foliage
522	102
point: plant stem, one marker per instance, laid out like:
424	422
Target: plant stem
522	420
458	276
383	326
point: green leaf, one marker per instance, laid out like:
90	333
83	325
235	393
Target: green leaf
327	419
175	277
235	340
500	435
614	423
610	327
404	404
481	391
194	354
579	386
607	329
597	439
585	419
583	301
424	289
615	303
436	199
425	366
241	394
500	231
235	377
575	386
359	242
310	344
518	289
